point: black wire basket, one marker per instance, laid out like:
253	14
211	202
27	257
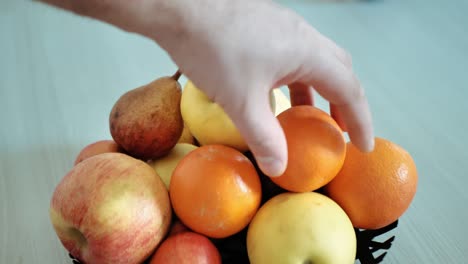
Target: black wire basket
368	247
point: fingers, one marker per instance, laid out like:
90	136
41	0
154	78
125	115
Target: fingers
338	117
301	94
339	52
336	82
359	124
261	131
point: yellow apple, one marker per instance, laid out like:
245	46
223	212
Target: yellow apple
208	122
186	136
282	102
165	166
301	228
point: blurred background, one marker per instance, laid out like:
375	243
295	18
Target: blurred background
60	74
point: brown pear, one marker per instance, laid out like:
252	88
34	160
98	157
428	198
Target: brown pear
146	121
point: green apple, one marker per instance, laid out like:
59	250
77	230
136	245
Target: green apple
301	228
208	122
165	166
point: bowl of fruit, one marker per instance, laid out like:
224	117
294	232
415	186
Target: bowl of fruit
178	184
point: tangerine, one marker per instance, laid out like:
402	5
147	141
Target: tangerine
215	191
316	148
375	188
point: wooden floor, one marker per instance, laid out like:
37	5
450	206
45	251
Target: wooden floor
60	75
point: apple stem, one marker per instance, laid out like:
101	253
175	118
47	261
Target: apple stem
177	75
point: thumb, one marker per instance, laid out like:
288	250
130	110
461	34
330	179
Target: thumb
260	129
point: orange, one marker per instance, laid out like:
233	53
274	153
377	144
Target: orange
215	191
316	148
375	188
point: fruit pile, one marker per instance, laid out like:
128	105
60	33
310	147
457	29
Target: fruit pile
177	184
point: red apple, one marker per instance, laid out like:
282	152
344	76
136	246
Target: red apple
98	147
186	248
111	208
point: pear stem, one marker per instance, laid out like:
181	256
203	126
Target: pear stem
177	75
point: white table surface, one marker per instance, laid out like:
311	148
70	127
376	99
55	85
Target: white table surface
60	75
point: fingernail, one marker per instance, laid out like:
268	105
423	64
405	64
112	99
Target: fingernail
271	166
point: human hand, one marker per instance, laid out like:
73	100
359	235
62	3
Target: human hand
237	51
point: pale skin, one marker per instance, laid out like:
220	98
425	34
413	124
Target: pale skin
236	52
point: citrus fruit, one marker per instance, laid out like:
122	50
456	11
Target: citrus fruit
375	188
301	228
207	120
316	148
215	190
